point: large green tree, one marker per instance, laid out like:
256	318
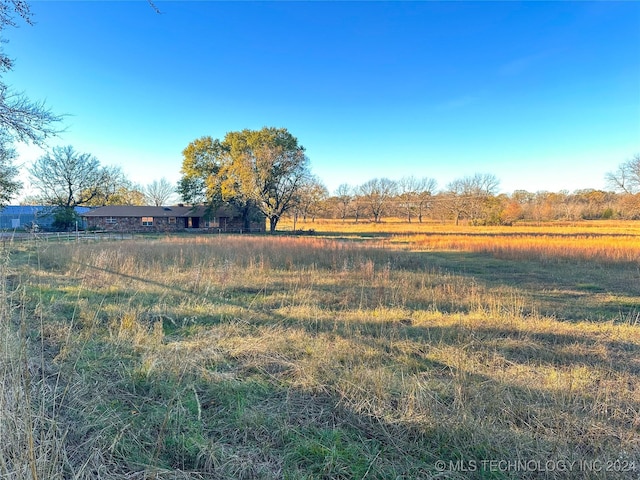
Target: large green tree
264	169
201	162
267	167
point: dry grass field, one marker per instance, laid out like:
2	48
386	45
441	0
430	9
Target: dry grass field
369	351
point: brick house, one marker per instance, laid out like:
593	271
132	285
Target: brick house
178	218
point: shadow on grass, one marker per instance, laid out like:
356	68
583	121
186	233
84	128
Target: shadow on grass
566	290
514	345
485	270
563	289
254	421
255	425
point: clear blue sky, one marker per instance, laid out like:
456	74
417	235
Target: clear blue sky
544	95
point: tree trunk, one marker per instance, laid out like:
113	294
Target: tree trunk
273	221
246	219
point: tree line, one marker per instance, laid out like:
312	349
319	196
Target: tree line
457	203
267	172
472	199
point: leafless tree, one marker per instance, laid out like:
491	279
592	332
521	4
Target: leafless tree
408	196
67	178
626	178
159	192
468	196
414	196
344	197
312	194
426	191
23	119
376	194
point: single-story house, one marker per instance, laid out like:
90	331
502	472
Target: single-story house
176	218
14	217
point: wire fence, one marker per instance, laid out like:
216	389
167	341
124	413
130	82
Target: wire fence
79	236
88	235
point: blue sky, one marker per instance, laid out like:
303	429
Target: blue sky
544	95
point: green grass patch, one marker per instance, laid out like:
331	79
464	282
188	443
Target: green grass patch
293	357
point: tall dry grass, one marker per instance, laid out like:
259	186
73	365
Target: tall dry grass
539	246
401	227
607	241
43	408
32	444
293	357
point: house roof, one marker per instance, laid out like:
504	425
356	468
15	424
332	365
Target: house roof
149	211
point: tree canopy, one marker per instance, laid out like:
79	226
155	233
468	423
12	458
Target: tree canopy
201	162
9	183
264	169
67	178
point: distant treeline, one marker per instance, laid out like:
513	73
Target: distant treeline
475	206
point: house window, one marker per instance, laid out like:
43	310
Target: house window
172	220
147	221
111	220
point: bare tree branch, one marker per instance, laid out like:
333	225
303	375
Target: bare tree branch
21	118
24	119
159	192
626	178
67	178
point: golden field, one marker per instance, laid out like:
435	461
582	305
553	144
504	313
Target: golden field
596	240
353	351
